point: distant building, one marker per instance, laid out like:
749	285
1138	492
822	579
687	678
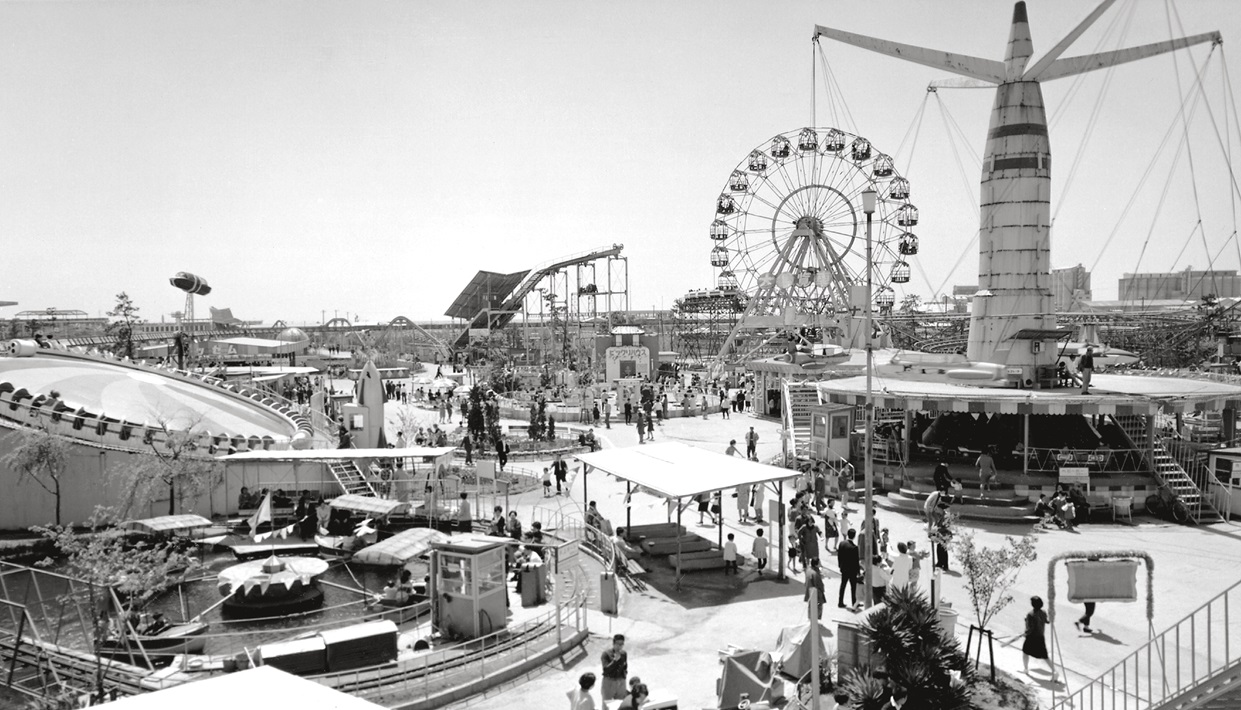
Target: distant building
1187	285
1069	287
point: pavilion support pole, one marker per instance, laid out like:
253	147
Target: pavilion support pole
585	494
628	507
780	512
719	529
678	581
1025	444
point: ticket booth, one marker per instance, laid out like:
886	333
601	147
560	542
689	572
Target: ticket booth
468	584
830	425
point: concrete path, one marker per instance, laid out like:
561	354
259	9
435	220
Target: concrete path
673	636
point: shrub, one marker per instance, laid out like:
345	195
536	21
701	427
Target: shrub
905	633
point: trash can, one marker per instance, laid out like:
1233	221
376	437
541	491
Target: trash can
531	585
609	594
947	622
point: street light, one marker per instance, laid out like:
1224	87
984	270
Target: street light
868	521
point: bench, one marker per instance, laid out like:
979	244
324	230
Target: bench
632	567
642	532
669	545
715	561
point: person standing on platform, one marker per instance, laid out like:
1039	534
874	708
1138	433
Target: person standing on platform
730	554
1085	366
628	411
759	550
1035	644
560	470
502	451
850	568
986	471
751	445
1082	624
641	429
579	698
650	426
742	494
902	565
615	662
814	581
467	443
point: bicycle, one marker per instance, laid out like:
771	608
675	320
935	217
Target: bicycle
1165	503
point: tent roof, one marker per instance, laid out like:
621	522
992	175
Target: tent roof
367	504
241	689
400	548
168	523
342	454
675	470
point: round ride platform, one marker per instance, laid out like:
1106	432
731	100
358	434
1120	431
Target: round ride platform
139	394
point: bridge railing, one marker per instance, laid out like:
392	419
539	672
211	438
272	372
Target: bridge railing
1196	649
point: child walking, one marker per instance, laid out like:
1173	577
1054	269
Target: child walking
759	550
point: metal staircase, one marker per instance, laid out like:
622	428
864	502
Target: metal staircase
351	479
1193	665
799	399
1167	470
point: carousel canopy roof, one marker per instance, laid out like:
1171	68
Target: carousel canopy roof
400	548
367	504
674	470
168	523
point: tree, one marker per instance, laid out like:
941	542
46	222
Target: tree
112	564
990	572
537	430
124	316
42	457
911	303
173	468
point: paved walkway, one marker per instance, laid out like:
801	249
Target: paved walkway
674	635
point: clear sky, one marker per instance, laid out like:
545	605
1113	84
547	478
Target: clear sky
369	157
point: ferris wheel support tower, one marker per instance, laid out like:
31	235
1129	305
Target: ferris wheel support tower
1014	261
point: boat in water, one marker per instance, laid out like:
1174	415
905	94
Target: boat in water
160	647
272	587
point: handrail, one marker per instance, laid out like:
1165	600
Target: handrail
478	651
1192	651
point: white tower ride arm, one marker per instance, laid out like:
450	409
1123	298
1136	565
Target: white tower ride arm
984	69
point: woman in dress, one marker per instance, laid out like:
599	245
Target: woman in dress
1035	644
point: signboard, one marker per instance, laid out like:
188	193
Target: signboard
1103	581
485	470
1075	474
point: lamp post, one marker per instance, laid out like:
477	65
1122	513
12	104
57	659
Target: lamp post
868	521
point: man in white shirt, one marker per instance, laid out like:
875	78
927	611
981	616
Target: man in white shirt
901	566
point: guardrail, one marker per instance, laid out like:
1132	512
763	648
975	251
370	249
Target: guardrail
1198	648
469	667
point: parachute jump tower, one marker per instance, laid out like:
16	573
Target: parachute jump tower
1012	315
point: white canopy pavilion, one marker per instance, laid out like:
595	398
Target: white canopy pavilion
676	471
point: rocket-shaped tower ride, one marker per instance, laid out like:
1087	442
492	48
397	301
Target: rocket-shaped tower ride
1013	306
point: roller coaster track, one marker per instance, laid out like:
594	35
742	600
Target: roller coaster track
498	318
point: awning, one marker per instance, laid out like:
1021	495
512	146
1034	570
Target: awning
241	689
342	454
367	504
168	523
674	470
400	548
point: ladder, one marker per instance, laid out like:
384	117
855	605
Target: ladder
351	479
1167	470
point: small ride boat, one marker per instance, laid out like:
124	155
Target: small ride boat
178	639
273	587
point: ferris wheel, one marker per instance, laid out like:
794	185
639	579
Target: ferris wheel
790	230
